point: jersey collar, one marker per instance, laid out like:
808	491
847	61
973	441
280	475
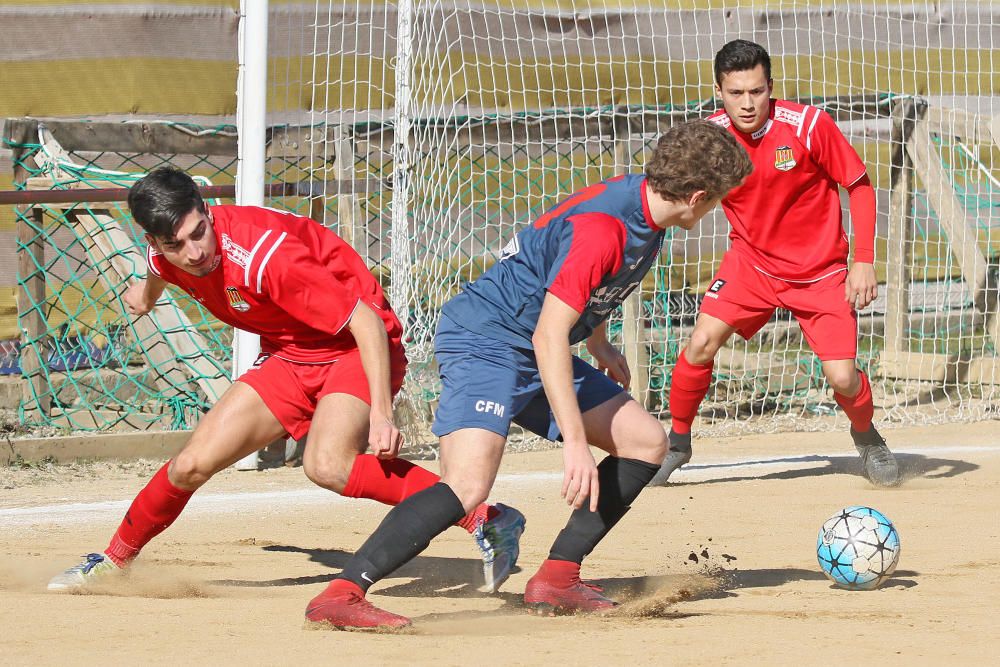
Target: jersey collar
766	127
645	207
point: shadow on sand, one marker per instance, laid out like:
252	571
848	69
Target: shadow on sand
911	466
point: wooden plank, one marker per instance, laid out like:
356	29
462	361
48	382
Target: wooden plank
132	137
36	395
177	351
950	212
634	347
938	368
633	322
350	222
900	233
971	128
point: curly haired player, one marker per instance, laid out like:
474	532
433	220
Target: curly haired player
503	347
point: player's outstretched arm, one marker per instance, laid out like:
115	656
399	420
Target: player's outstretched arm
368	330
141	297
608	357
555	364
861	286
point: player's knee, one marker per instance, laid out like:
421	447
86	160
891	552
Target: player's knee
471	493
647	444
332	475
701	349
654	450
188	471
843	381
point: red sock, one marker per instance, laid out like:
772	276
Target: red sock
341	586
564	570
481	514
155	508
859	408
688	386
390	481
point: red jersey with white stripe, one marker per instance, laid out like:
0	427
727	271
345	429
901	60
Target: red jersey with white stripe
786	217
287	278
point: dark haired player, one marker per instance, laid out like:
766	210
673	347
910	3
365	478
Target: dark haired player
331	361
788	249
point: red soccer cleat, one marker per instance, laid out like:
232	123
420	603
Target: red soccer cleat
557	589
343	606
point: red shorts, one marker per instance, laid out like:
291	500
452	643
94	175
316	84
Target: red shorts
292	390
744	298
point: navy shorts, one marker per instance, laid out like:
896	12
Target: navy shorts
488	384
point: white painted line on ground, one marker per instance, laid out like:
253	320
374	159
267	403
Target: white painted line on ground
228	503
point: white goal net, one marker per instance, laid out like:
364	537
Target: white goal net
427	132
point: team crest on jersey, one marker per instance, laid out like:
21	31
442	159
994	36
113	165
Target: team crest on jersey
784	159
236	300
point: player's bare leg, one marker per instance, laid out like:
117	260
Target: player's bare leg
240	423
469	461
335	459
636	444
853	393
689	383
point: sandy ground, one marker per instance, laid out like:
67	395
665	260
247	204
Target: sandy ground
228	583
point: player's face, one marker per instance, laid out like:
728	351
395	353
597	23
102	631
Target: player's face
695	210
746	96
192	247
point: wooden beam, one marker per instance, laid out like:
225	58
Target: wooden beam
950	212
36	396
970	128
174	347
939	368
131	137
900	236
351	225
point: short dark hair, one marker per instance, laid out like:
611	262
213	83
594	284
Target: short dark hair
693	156
740	55
162	198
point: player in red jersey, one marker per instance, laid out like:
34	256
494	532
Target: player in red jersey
331	361
787	249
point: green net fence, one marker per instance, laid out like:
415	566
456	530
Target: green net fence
476	180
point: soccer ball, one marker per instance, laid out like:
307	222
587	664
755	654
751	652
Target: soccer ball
858	548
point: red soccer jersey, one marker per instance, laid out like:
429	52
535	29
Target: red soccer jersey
786	217
286	278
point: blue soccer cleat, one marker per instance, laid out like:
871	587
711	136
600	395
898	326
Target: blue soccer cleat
499	540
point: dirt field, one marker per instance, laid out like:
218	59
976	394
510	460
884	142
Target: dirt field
228	583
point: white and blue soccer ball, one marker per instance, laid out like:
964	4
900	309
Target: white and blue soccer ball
858	548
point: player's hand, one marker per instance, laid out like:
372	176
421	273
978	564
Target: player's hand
611	361
135	299
861	286
580	475
383	437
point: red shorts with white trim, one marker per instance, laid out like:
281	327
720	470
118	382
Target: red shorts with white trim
292	390
745	299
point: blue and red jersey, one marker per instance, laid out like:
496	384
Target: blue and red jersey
591	250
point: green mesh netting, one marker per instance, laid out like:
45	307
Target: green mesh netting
475	181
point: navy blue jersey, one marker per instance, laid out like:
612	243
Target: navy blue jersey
590	251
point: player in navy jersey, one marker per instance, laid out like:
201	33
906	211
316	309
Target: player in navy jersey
331	361
503	348
788	249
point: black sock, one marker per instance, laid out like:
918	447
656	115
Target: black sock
405	531
621	481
